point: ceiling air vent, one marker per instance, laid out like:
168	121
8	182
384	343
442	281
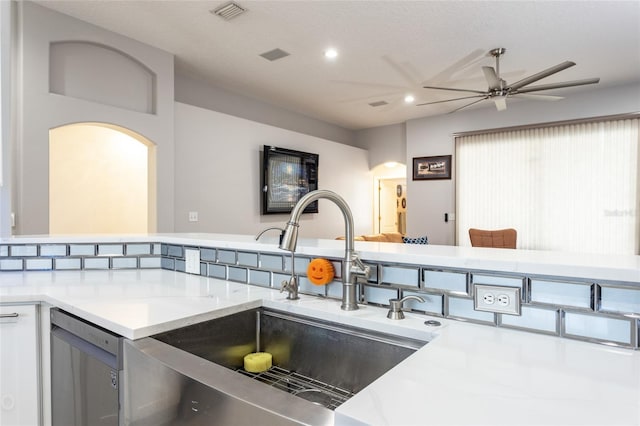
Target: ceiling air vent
274	54
229	11
379	103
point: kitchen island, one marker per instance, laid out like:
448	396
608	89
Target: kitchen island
467	374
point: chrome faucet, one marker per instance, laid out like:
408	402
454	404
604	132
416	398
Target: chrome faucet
290	285
353	266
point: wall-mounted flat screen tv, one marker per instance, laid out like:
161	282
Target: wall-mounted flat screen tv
287	175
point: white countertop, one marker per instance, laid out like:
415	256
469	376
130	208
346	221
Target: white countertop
467	375
560	264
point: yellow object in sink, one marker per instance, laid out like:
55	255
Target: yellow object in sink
257	362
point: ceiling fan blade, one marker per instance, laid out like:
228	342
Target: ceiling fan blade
455	90
501	103
537	97
492	78
450	100
468	105
541	75
558	85
464	63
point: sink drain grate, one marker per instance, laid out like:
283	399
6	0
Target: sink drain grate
302	386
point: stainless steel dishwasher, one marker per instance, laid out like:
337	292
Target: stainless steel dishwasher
85	372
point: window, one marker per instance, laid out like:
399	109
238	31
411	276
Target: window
570	187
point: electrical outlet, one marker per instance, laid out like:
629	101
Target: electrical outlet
493	298
192	261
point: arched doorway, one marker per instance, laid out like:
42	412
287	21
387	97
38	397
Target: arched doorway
101	180
390	198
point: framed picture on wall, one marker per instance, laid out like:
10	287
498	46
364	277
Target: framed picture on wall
431	168
287	175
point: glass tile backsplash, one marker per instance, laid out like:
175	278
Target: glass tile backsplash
620	300
53	250
561	293
237	274
68	263
604	312
447	281
217	271
227	256
261	278
208	255
110	249
24	251
73	256
379	295
248	259
600	328
497	280
39	264
535	319
96	263
11	264
268	261
82	250
395	275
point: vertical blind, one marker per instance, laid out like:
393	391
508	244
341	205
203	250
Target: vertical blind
570	187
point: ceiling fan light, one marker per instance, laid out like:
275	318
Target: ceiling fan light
409	99
501	103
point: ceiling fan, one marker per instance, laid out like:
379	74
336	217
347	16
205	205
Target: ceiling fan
499	90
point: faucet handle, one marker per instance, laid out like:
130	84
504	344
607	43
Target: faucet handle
273	228
359	269
291	286
395	311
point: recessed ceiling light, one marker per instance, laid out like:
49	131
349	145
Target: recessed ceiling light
409	98
330	53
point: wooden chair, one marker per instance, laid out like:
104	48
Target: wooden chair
501	238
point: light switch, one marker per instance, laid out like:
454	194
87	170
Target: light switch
193	216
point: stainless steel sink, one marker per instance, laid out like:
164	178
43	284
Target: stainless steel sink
320	363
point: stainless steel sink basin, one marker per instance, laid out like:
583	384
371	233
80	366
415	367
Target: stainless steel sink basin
321	363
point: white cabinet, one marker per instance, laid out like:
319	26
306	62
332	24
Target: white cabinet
19	395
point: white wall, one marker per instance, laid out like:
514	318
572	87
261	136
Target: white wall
40	110
192	91
433	136
385	143
217	174
7	29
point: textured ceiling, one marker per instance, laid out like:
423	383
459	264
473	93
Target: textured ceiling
387	48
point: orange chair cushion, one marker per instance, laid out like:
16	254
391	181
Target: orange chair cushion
501	238
385	237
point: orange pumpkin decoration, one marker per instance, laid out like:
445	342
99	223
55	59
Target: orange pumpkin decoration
320	271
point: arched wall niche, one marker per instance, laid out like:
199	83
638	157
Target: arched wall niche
39	110
99	73
102	179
